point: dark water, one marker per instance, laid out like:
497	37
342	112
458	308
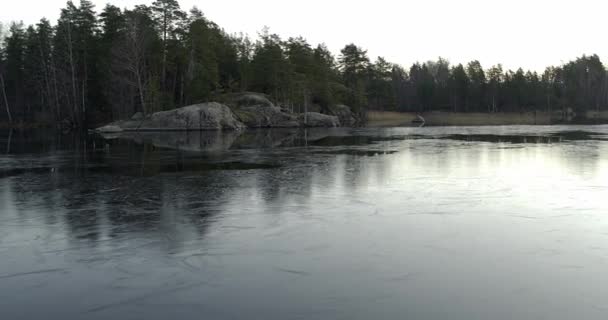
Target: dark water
403	223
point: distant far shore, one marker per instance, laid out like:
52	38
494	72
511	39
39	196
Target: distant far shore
441	118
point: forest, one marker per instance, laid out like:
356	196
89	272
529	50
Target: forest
93	67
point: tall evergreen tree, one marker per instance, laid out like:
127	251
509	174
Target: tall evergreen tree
113	31
203	72
271	69
354	64
459	84
326	85
440	71
381	95
167	15
495	82
3	94
477	86
13	82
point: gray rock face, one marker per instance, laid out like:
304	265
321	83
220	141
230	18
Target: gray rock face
264	116
206	116
313	119
110	129
199	117
257	111
241	110
138	116
247	99
345	115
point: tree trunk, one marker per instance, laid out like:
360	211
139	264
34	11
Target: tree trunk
73	73
8	109
84	91
140	88
56	90
83	117
305	109
47	82
8	142
164	70
181	91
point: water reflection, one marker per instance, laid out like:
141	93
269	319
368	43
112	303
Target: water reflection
305	224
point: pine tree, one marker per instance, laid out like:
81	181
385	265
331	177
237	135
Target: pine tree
459	84
477	86
354	64
167	15
271	69
13	81
379	92
495	82
202	71
3	94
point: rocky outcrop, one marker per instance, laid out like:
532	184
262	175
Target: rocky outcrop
137	116
261	116
318	120
110	129
206	116
237	111
345	115
246	99
257	111
199	117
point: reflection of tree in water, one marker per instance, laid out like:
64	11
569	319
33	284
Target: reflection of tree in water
128	189
169	208
328	175
9	141
161	208
39	141
583	159
57	199
123	194
278	187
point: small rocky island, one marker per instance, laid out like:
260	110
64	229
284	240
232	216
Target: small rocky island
233	112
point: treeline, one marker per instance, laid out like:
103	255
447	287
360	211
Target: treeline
89	68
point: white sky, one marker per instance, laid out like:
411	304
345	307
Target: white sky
527	33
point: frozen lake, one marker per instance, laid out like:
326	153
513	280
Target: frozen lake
385	223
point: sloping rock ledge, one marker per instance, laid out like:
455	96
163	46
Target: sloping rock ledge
242	113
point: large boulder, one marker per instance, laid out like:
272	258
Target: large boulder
255	110
345	115
246	99
204	116
314	119
138	116
237	111
261	116
110	129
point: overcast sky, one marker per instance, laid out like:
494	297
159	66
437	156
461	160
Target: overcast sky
527	33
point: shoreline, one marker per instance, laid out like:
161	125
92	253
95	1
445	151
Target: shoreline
432	118
440	118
